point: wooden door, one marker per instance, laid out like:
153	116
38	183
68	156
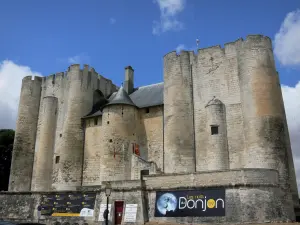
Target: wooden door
119	205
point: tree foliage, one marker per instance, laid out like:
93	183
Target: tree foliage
6	146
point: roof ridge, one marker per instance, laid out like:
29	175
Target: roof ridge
151	85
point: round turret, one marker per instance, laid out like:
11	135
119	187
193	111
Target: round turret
119	119
263	112
217	152
25	135
43	164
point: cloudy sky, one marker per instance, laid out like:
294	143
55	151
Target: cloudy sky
44	37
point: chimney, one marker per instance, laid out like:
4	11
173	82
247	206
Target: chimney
128	82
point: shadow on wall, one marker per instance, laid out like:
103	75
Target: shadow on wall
6	147
142	138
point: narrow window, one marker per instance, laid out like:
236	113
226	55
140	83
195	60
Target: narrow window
107	122
147	110
57	159
96	121
214	129
60	135
110	140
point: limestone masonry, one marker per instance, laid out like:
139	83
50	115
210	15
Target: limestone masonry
217	121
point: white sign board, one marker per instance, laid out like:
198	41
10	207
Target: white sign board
85	212
130	213
102	209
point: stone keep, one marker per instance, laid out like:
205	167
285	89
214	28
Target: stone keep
217	111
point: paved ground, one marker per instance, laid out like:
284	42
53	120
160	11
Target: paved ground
169	223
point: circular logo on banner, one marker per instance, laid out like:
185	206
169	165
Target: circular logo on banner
211	203
166	203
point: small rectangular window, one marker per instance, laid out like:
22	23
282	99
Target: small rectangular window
57	159
214	129
147	110
96	121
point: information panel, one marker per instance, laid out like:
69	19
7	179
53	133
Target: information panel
70	204
196	203
130	213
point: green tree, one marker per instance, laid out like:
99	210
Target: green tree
6	146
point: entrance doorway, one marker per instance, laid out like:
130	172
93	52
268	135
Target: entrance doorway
144	173
119	206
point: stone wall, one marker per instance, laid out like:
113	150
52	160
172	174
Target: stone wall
251	196
150	136
22	206
138	164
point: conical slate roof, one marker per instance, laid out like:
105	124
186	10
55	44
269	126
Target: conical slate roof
121	97
214	101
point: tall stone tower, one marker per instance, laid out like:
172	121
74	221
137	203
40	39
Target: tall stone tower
179	146
48	148
263	111
223	109
25	135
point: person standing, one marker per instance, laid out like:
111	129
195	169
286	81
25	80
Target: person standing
105	216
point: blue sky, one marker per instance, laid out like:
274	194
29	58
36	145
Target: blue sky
47	35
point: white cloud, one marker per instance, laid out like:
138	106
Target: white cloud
112	20
180	47
287	39
11	76
169	9
291	96
79	59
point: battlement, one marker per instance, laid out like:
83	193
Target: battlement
78	67
32	78
230	48
82	71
